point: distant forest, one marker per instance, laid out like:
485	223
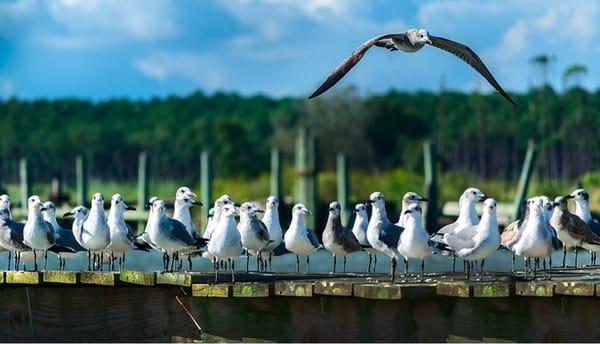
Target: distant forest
482	134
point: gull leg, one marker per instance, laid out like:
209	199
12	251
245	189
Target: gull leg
35	268
9	259
591	258
513	262
370	258
481	266
422	269
270	256
45	260
550	260
258	261
123	261
576	251
344	263
307	263
247	261
101	261
297	263
393	272
405	267
454	263
232	265
334	261
564	265
216	264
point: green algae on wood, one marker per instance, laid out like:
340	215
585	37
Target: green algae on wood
575	288
378	291
97	277
455	289
22	277
251	290
540	289
301	289
333	288
491	289
137	277
174	278
64	277
211	290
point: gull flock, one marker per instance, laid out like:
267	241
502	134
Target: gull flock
544	227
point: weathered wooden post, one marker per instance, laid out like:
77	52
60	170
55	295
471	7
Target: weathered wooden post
343	186
205	185
55	190
306	147
25	182
431	207
81	180
524	179
276	173
143	176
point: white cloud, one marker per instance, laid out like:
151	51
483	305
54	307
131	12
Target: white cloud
201	69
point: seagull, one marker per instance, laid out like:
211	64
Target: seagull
144	238
168	234
225	242
184	200
63	237
383	235
414	241
533	240
5	214
467	217
37	233
582	209
359	228
479	241
299	239
11	232
219	203
571	229
94	235
547	209
337	238
408	199
121	235
411	41
271	220
253	232
513	228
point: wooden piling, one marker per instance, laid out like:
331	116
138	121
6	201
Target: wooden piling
25	182
205	185
343	186
430	213
81	179
306	151
276	173
143	175
524	179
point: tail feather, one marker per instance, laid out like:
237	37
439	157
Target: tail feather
61	249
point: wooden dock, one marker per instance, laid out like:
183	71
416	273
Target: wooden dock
151	306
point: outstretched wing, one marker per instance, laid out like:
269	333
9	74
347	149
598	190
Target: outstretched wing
344	67
466	54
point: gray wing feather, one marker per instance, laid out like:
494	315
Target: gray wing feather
261	230
463	239
179	233
594	226
390	234
313	238
344	67
468	55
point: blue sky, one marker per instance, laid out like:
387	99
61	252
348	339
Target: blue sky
101	49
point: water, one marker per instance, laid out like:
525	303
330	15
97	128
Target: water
320	261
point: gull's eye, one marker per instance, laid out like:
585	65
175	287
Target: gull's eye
473	192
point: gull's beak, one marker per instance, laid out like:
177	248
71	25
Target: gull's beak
209	216
569	196
198	203
259	210
236	205
129	207
307	211
191	194
423	199
428	41
68	214
483	197
367	202
43	209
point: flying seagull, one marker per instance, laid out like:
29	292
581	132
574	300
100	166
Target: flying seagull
411	41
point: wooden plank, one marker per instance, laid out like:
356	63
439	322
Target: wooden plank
491	289
97	277
540	289
63	277
575	288
333	288
378	291
146	278
251	290
174	278
22	277
299	289
211	290
455	289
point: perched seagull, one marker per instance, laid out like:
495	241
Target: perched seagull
467	217
219	203
168	234
5	214
11	232
383	235
253	233
80	215
225	242
63	237
513	228
95	233
414	241
359	228
271	220
547	209
408	199
144	238
411	41
299	239
184	200
38	233
121	235
582	209
533	240
339	240
571	229
479	241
